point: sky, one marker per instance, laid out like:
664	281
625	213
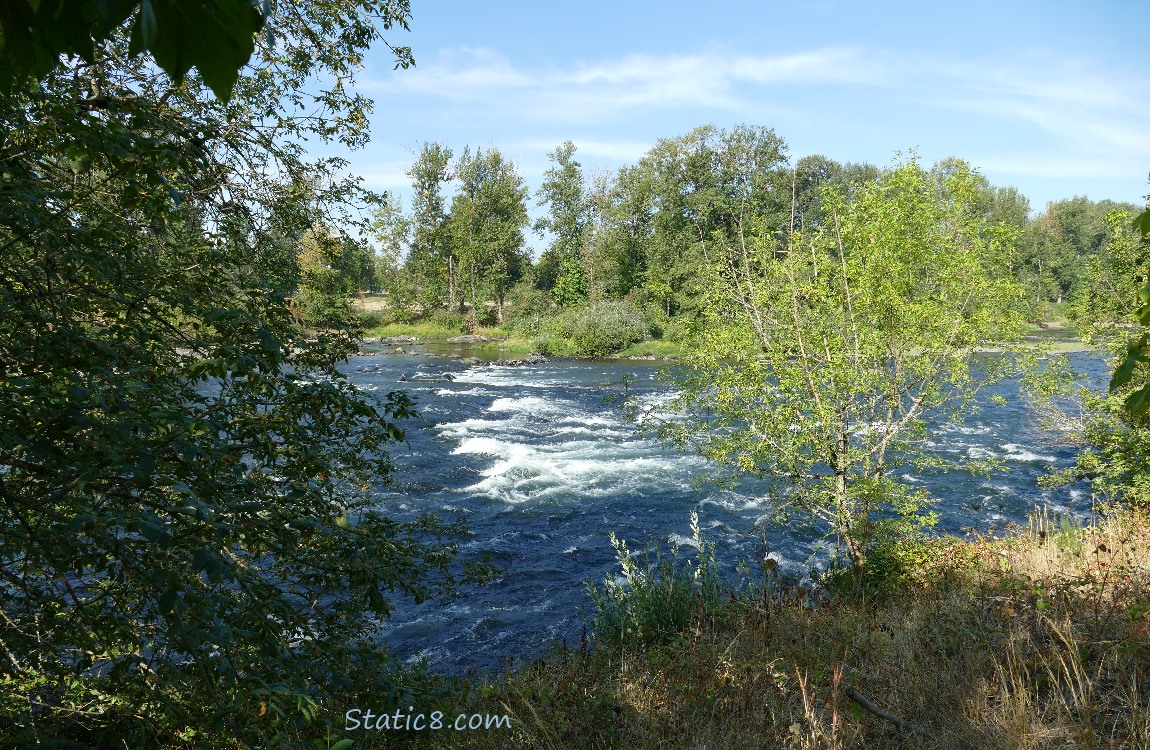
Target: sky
1050	97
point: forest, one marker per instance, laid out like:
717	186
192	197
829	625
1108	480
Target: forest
191	554
642	234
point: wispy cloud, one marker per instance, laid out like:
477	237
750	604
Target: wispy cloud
1089	109
1026	116
592	91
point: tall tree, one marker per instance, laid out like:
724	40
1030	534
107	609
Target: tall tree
432	259
1110	309
488	216
561	267
704	190
188	547
391	230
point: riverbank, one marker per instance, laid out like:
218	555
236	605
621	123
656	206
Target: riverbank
498	343
501	343
1040	638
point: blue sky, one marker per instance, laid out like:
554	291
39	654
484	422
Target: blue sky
1051	97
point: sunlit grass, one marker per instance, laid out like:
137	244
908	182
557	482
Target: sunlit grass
660	348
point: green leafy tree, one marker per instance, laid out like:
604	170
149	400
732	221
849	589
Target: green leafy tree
822	359
191	553
332	270
488	216
216	37
391	230
810	176
561	267
695	191
1137	401
432	262
1110	309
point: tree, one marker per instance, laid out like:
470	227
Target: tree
332	269
700	189
391	229
486	224
561	267
1137	401
1110	309
822	358
189	545
217	37
432	260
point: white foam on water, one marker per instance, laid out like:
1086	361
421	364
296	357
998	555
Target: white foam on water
588	431
522	473
464	392
471	426
737	503
532	405
1016	452
507	376
553	447
681	541
964	429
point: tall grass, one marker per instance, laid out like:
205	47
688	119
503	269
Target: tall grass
657	596
1037	640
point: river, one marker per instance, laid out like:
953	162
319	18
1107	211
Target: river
541	467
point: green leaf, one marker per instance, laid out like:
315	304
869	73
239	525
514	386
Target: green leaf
155	532
148	24
1124	371
1138	402
168	600
1142	222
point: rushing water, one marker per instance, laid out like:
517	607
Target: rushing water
541	467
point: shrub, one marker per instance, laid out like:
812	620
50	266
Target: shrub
658	597
486	316
447	319
608	327
370	318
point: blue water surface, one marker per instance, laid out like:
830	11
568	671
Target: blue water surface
541	467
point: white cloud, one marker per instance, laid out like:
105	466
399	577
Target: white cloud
593	91
1031	115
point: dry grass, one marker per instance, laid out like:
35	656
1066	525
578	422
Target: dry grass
1038	640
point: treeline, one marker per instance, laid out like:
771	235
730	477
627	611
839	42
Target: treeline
644	232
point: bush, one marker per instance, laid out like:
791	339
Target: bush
447	319
486	316
608	327
370	318
659	596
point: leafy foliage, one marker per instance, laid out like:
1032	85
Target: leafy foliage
658	597
190	548
1111	428
1137	402
217	37
331	270
821	359
607	327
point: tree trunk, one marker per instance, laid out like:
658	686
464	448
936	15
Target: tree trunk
451	283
